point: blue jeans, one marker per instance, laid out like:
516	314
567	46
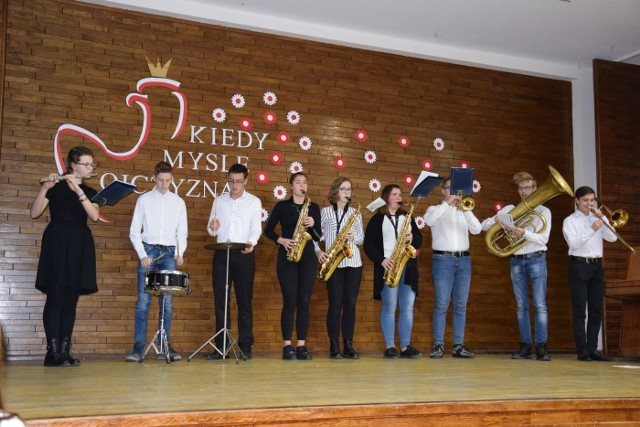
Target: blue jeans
144	299
523	269
404	295
451	277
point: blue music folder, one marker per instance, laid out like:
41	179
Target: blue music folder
461	181
425	184
113	193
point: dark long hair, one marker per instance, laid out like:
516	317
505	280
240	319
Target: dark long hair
386	192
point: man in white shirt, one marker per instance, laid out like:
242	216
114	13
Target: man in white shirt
584	231
159	236
235	217
529	263
451	262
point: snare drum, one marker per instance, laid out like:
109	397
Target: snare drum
167	282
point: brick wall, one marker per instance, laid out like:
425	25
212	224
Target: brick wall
69	62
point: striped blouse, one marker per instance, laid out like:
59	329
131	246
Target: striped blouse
331	217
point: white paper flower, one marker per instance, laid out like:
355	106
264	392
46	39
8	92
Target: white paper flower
265	215
370	156
420	222
295	167
374	185
438	143
219	115
237	100
270	98
305	143
293	117
476	186
279	192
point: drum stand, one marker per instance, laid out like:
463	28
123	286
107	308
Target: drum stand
164	342
226	333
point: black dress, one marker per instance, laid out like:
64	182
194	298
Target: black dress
68	255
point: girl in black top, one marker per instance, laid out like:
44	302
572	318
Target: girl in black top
67	266
296	279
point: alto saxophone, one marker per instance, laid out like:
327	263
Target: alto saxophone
339	249
402	251
300	235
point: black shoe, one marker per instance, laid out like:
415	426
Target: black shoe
334	350
288	353
349	352
596	355
246	351
391	353
541	352
524	352
217	356
65	348
53	356
410	353
462	351
584	356
302	353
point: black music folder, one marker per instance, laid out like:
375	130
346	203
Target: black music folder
425	184
461	181
113	193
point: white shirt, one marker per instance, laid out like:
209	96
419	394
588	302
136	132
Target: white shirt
581	238
240	219
159	219
330	232
450	227
389	229
535	241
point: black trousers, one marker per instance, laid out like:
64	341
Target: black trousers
586	282
242	269
342	288
59	315
296	284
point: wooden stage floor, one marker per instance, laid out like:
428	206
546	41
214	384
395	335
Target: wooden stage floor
490	389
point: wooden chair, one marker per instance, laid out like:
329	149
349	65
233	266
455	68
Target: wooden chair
628	290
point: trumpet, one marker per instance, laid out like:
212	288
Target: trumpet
64	177
467	204
612	228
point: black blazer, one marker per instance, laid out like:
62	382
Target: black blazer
374	248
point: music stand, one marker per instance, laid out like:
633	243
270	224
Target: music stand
226	333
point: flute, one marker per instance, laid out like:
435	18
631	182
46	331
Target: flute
64	177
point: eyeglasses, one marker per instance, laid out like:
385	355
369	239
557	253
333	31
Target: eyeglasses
236	181
525	188
346	190
446	188
88	165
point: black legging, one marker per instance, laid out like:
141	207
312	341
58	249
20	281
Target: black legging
342	288
59	313
296	283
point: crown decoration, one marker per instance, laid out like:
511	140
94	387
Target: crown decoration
158	70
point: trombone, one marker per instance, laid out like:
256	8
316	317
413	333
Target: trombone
621	218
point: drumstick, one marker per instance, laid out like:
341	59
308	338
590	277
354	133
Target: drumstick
157	258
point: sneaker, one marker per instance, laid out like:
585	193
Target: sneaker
462	351
437	352
246	351
410	353
302	353
391	353
288	353
137	354
524	352
174	355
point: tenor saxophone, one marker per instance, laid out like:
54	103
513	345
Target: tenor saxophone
339	250
300	235
402	251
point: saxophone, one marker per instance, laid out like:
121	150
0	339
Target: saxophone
402	251
300	235
339	249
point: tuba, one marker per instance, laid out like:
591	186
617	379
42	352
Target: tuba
503	243
300	235
402	251
339	249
